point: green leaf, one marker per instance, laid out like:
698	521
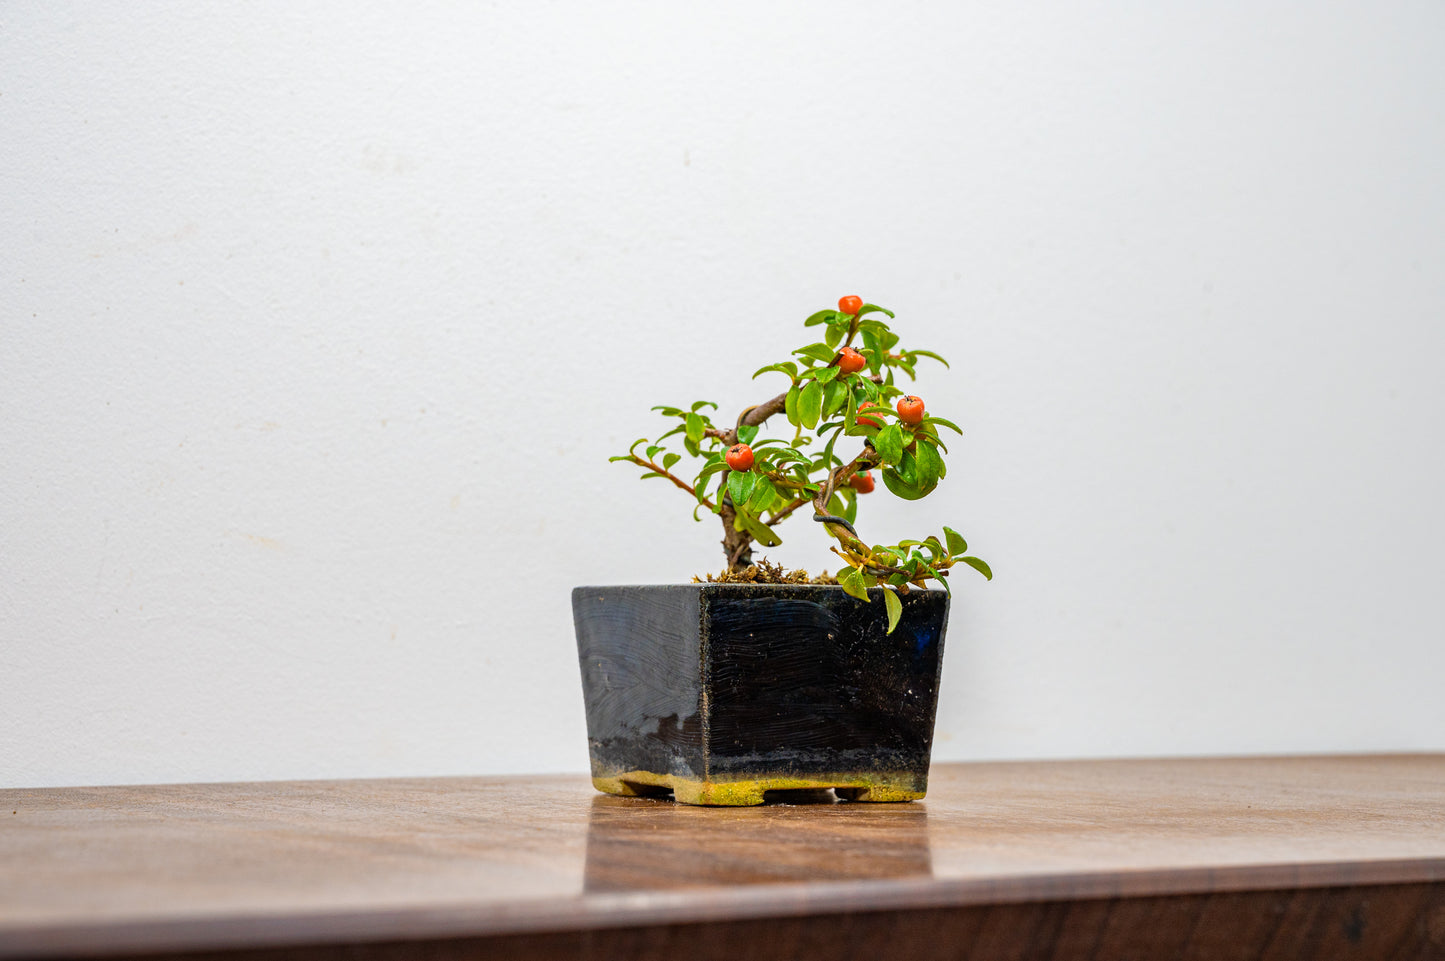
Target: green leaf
690	445
889	444
747	432
633	448
827	375
822	353
786	454
810	405
929	353
851	580
786	367
699	405
900	486
834	398
930	419
790	405
620	457
669	459
895	608
652	451
834	337
930	465
651	473
956	544
695	427
761	532
822	316
740	485
903	480
977	563
874	308
829	459
926	432
668	411
761	497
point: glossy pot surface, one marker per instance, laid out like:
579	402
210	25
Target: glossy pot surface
720	693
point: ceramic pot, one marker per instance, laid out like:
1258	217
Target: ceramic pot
720	693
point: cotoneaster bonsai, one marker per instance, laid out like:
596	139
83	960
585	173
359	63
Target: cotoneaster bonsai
759	679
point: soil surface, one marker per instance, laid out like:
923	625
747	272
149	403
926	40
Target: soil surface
765	572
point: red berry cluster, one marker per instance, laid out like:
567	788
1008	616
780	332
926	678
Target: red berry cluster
740	457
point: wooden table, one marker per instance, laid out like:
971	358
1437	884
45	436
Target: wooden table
1319	858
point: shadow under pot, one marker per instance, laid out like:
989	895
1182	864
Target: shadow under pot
721	693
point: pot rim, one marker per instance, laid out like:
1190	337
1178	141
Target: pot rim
709	584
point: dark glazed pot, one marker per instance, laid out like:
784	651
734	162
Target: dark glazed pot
719	693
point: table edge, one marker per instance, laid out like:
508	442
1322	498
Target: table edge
651	908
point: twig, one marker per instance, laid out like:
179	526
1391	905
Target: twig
641	462
788	510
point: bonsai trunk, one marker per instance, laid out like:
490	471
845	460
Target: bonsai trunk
738	545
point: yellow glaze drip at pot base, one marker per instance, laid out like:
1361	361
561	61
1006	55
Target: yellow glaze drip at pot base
748	791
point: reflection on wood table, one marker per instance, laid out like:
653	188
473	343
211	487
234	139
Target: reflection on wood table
1316	857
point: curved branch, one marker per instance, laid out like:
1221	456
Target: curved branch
753	416
840	475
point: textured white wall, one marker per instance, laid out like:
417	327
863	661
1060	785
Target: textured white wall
318	322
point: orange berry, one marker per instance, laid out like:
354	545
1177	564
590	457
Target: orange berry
869	421
740	457
910	409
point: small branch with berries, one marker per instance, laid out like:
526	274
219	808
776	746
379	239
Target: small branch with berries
842	386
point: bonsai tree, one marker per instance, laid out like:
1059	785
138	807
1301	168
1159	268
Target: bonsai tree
841	390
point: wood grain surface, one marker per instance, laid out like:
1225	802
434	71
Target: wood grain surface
130	870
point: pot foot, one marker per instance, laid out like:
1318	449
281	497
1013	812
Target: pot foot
877	794
641	784
749	792
720	794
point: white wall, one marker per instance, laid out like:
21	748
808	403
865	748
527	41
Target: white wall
317	324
